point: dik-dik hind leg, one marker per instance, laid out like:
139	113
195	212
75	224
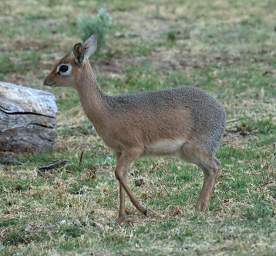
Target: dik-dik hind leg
209	165
210	170
123	162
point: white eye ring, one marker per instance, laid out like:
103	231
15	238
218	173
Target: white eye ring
64	73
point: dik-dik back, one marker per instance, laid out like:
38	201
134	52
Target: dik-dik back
164	120
182	121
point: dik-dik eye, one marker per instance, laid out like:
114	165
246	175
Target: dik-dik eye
64	69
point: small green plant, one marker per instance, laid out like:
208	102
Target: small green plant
171	36
98	25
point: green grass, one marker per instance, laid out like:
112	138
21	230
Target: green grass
224	47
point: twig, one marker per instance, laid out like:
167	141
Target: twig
81	157
233	120
53	165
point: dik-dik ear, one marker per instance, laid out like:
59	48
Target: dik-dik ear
85	50
90	46
78	53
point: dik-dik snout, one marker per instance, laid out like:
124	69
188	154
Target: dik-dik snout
49	82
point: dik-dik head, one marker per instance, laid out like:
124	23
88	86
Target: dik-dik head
66	72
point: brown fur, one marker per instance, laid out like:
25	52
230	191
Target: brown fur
183	121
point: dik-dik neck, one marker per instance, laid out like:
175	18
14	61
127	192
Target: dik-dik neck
92	98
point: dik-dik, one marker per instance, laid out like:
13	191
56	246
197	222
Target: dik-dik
184	122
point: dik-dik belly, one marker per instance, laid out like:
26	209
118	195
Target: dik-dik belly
164	147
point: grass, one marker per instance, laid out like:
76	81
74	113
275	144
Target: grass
224	47
98	25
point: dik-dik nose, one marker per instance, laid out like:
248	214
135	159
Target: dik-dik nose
48	81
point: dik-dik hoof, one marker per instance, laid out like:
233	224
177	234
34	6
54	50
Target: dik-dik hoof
201	206
141	209
120	220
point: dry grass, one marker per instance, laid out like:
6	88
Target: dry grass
224	47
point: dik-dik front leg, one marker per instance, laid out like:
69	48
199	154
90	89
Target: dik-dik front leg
122	210
123	162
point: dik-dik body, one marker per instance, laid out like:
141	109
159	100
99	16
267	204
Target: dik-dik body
184	122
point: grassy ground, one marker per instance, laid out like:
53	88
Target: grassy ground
224	47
